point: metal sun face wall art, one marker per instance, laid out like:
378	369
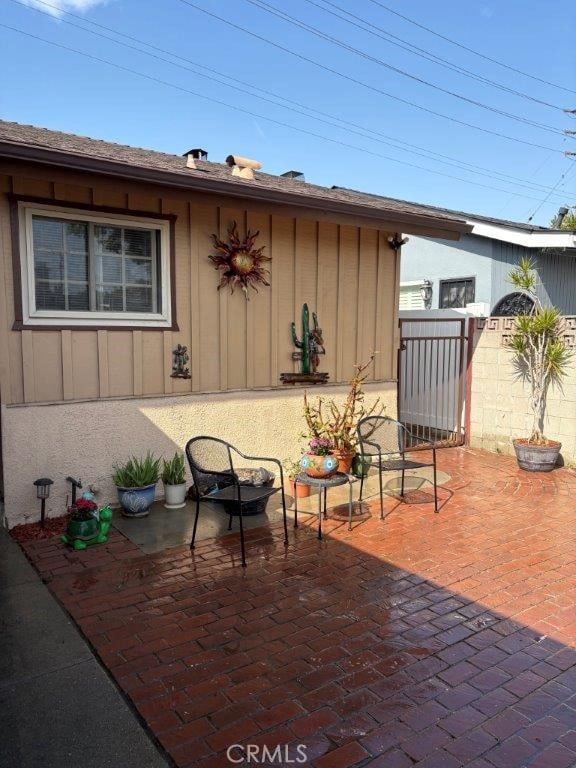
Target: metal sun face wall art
239	262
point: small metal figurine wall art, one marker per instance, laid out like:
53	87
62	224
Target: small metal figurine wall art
310	346
179	363
239	262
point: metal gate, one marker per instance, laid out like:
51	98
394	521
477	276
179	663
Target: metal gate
432	365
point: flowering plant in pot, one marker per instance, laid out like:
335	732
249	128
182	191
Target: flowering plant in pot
174	479
83	521
336	422
135	482
540	359
318	461
293	469
87	524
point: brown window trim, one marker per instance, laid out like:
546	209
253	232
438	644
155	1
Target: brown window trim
19	324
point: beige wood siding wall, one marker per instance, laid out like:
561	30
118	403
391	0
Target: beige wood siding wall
346	273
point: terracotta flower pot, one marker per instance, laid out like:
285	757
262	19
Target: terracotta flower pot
319	466
345	459
299	490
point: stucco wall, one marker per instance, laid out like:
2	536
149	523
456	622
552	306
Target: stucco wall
86	439
500	409
425	258
490	262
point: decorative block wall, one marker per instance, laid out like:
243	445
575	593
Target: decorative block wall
500	410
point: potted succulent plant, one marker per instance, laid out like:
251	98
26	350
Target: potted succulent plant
135	482
336	422
174	479
540	358
293	469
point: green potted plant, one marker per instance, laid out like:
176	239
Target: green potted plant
174	479
540	358
293	469
337	422
135	482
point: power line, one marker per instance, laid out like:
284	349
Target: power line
274	11
562	177
363	84
470	50
513	195
370	27
363	131
182	89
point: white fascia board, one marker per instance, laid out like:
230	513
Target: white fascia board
411	283
527	239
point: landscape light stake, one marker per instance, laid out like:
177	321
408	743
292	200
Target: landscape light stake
42	492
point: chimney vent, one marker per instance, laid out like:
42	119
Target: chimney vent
243	166
296	175
197	154
560	216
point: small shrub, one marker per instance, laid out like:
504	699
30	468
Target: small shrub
137	473
173	472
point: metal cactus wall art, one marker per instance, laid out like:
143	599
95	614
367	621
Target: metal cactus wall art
309	348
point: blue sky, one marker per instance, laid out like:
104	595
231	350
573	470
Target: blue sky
364	136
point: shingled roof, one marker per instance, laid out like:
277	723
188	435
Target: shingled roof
33	144
467	216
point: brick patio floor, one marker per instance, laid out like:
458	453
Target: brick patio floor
425	640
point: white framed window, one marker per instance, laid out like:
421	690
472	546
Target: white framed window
92	268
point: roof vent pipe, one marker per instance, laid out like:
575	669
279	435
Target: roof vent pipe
560	216
296	175
243	166
197	154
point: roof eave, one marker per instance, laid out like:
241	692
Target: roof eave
418	222
528	239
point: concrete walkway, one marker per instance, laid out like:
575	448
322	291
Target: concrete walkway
58	706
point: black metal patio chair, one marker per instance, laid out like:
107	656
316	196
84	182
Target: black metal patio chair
215	479
387	442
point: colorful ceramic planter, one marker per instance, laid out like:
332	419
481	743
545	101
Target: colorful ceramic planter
319	466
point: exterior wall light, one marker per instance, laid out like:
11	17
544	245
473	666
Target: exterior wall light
396	242
426	293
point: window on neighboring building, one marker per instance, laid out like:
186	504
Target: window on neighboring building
411	295
456	293
93	268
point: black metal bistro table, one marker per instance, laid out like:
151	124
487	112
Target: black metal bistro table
323	483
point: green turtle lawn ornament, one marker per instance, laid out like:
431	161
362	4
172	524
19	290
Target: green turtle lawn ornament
87	524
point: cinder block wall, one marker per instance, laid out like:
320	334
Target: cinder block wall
500	410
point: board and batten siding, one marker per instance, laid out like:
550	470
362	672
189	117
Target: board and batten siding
348	274
556	270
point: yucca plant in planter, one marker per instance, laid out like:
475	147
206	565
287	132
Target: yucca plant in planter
174	479
135	482
540	358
